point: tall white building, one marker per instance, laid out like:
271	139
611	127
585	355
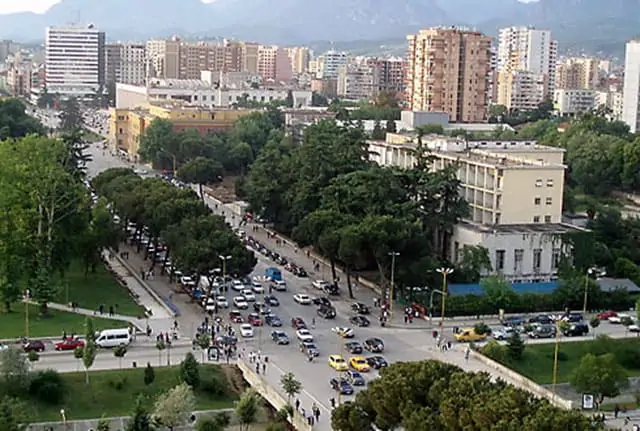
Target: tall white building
631	89
530	50
74	60
332	61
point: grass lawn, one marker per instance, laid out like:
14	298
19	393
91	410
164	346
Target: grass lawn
112	393
12	325
537	363
97	288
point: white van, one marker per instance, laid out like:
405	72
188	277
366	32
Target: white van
113	337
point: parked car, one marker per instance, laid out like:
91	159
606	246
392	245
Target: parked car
502	333
280	337
273	320
359	321
360	308
605	315
69	344
543	331
576	330
33	346
298	323
341	385
374	345
327	312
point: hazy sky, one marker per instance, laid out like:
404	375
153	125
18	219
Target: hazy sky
7	6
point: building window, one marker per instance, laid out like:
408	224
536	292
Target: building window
518	258
555	258
539	182
120	131
548	201
536	201
536	219
500	260
537	259
547	219
549	182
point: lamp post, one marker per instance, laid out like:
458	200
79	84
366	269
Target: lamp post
431	302
63	415
589	273
27	296
555	358
224	260
393	255
445	273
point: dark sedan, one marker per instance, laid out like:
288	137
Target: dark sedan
280	338
374	345
298	323
355	378
33	346
341	385
273	320
353	347
327	312
271	300
360	308
377	362
360	321
322	302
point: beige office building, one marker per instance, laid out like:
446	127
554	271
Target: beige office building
447	71
578	73
514	189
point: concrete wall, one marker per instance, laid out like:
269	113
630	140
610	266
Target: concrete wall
522	382
272	396
120	423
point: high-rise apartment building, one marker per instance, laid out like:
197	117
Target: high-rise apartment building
521	89
357	81
250	57
528	50
274	64
331	62
447	71
125	63
74	60
391	74
631	89
300	57
578	73
163	58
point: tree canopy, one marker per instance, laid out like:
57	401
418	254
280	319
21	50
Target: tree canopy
14	121
436	395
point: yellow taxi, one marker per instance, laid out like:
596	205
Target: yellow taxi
470	335
338	363
359	363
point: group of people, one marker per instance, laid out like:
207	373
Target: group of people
311	416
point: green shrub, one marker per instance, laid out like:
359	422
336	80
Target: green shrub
482	328
190	370
495	351
628	357
212	383
118	383
48	387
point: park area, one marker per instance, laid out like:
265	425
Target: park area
537	360
97	288
113	393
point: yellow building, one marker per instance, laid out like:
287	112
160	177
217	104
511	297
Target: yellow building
126	126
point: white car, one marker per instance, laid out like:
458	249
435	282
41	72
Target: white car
320	284
302	299
343	332
280	285
240	302
187	281
249	295
502	333
237	285
617	320
222	302
257	288
209	304
3	347
246	330
304	335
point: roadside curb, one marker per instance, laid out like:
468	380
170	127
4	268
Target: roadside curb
144	285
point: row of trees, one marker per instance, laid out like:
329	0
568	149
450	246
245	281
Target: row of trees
327	193
436	395
14	121
194	236
48	217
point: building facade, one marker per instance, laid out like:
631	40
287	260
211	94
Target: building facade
125	63
74	60
448	71
578	73
299	57
631	89
357	81
530	50
514	189
330	63
391	74
571	102
126	126
521	89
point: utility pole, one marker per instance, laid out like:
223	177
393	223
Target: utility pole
445	272
393	255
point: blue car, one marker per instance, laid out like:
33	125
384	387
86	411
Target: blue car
341	385
355	378
273	320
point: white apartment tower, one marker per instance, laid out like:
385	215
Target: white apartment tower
631	89
332	61
525	49
74	60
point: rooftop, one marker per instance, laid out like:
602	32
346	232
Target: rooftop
505	229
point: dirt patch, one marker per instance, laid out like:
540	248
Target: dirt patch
225	191
234	378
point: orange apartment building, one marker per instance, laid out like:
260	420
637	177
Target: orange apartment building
448	70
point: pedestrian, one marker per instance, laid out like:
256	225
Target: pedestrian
616	411
406	318
332	401
257	367
111	312
467	352
101	308
264	368
316	413
303	413
297	405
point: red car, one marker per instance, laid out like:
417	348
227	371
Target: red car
298	323
254	319
235	316
606	314
69	344
33	346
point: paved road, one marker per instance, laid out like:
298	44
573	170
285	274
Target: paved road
403	343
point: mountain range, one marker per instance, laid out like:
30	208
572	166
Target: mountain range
595	25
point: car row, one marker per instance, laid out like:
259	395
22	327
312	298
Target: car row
274	256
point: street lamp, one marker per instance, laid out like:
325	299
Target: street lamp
27	297
445	273
64	418
393	255
431	302
591	271
224	260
